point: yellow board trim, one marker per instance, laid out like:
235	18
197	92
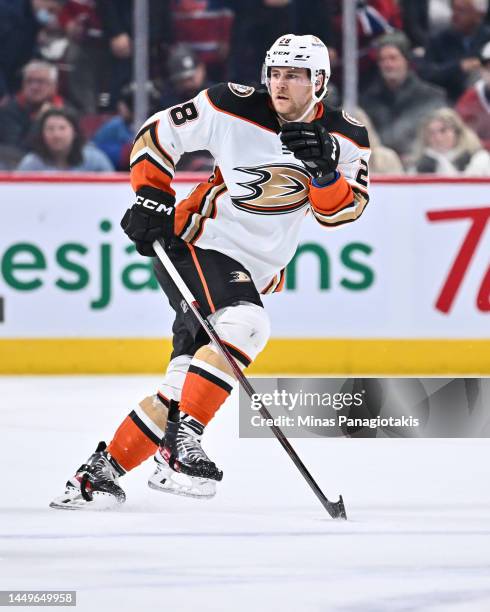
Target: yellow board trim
287	356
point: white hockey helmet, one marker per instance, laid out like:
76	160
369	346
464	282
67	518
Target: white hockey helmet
294	51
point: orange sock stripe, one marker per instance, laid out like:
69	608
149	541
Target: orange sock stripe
201	398
133	443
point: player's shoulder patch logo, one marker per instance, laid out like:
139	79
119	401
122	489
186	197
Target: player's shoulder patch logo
351	119
243	91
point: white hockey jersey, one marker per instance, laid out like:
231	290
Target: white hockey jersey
252	207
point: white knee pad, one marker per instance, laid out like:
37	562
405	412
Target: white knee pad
173	380
245	328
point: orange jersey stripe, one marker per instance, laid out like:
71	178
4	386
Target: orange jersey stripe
211	216
201	276
146	174
280	285
162	150
190	205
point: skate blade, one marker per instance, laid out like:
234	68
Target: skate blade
73	500
167	480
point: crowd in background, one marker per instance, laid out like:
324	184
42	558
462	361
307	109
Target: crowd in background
66	91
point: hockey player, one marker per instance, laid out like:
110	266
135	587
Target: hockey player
279	155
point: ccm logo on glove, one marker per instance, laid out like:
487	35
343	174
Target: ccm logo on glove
153	205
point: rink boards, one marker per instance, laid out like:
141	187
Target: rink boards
405	289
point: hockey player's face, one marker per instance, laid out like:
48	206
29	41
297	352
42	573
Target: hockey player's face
291	91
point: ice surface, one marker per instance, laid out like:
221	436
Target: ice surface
418	535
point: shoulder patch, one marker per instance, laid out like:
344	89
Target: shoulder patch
341	122
351	119
244	102
241	90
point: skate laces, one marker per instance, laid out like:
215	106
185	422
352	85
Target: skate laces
103	469
189	439
102	466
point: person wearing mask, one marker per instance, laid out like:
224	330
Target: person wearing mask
58	147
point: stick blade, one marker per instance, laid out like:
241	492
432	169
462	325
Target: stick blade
337	509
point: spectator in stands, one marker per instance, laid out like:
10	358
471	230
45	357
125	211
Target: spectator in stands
205	26
375	18
18	30
85	58
383	160
39	92
58	147
115	137
51	42
9	157
317	20
117	24
421	18
398	97
474	104
416	21
452	55
440	13
187	76
256	25
445	145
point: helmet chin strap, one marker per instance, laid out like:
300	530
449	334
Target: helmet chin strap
314	100
308	110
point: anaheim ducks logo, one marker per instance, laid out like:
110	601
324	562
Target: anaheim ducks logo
351	119
274	189
240	277
242	91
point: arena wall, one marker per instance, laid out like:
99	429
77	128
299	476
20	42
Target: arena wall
403	290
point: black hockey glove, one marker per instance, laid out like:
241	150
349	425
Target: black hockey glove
151	217
314	146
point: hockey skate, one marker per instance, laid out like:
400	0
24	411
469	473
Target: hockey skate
182	467
94	486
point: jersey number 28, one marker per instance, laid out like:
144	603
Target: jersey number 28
184	113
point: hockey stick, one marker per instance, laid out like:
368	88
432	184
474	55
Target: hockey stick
335	509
